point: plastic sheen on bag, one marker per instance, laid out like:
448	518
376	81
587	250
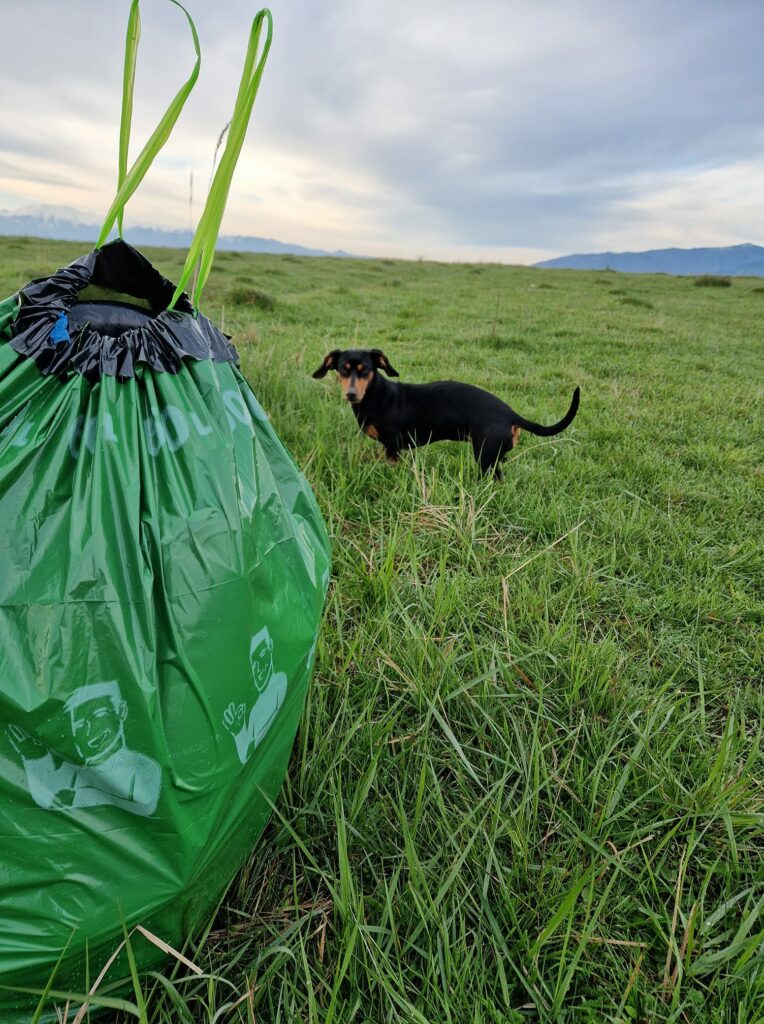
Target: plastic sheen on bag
163	568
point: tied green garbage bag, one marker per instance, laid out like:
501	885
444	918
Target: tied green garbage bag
163	567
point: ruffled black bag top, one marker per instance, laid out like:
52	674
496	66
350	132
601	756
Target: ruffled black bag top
65	332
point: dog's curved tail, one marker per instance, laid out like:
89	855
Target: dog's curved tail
556	428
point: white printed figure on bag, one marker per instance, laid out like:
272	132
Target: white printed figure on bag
248	730
110	773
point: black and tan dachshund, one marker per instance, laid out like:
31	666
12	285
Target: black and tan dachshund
408	415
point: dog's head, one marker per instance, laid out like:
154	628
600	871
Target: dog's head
356	368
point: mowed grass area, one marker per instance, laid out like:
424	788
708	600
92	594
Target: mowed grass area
529	783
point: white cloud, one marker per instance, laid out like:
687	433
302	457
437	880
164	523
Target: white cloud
499	127
704	206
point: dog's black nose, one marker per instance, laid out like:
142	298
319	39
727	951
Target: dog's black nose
351	396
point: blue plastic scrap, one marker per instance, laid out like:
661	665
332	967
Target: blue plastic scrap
60	333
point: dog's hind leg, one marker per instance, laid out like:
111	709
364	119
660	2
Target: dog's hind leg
489	451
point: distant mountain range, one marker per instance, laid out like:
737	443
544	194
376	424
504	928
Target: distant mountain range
43	220
68	224
733	261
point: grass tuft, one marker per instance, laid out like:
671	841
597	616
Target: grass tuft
713	281
246	295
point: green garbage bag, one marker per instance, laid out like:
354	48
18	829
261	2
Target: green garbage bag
163	567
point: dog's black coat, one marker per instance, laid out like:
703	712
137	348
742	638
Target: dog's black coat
408	415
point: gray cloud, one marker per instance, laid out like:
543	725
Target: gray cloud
18	172
505	123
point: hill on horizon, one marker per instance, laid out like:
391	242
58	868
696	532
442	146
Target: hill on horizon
66	224
746	260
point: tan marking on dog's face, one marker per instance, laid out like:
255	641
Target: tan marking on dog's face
515	434
362	383
355	376
372	431
353	381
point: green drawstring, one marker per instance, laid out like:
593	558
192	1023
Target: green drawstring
129	180
202	250
128	86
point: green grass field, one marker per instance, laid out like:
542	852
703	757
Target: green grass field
529	784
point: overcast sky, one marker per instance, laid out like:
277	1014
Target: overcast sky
507	130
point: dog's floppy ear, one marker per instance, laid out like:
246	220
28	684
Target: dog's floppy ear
383	363
329	363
